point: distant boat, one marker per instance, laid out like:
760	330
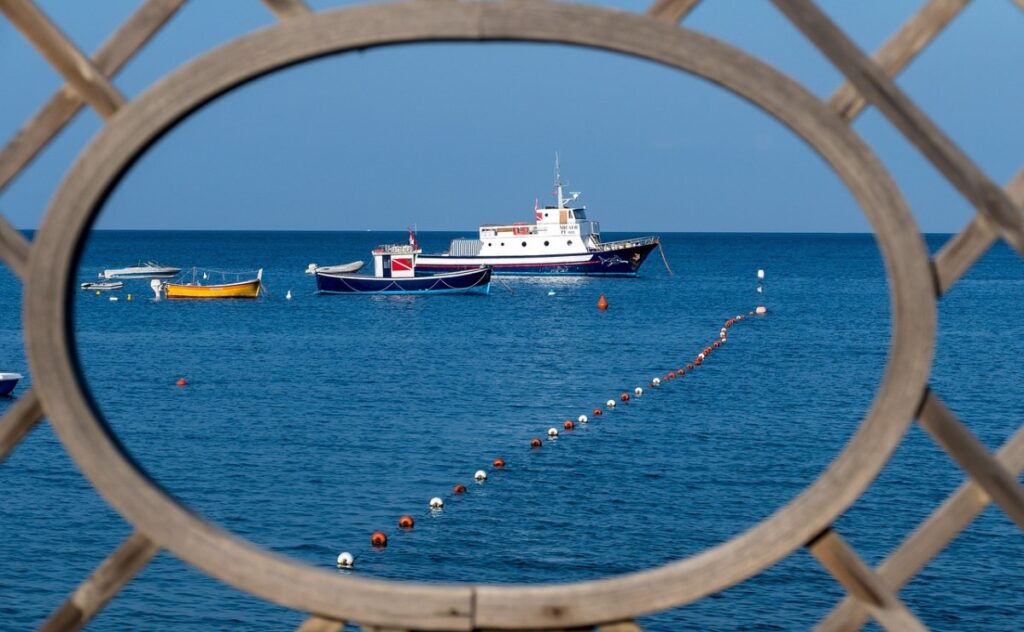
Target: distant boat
355	266
7	383
562	241
394	269
102	287
144	270
247	288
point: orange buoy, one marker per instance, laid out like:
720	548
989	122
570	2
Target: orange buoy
535	443
707	351
671	375
181	381
624	397
459	489
689	366
568	425
499	463
761	310
698	360
405	522
602	303
716	344
681	372
378	539
598	412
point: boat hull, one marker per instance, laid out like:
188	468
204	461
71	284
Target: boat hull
7	383
245	289
471	281
625	261
128	273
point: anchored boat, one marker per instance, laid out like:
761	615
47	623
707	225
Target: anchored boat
354	266
144	270
102	287
196	288
7	383
562	241
395	272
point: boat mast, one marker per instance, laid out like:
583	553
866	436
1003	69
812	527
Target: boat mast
558	184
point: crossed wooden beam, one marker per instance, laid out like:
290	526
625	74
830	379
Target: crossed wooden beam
872	593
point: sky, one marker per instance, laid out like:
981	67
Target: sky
450	136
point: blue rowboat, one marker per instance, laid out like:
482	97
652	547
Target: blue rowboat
7	382
475	281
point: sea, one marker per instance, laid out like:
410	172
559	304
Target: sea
309	423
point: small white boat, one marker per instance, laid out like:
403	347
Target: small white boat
102	287
7	382
338	269
144	270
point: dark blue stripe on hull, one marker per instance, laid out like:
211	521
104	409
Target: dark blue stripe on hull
477	281
6	386
622	262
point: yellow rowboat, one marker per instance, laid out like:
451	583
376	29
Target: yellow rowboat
240	289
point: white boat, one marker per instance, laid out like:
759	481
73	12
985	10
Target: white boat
338	269
8	381
144	270
562	241
102	287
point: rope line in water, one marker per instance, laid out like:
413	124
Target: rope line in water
379	539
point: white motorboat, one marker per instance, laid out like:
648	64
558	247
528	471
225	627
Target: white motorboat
343	268
102	287
144	270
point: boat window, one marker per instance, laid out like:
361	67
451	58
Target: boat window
489	244
580	214
546	243
569	243
502	243
524	244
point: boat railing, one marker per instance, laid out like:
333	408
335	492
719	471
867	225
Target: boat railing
396	249
465	247
624	243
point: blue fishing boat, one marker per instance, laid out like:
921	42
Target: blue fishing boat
7	383
394	272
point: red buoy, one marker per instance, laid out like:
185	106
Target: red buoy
535	443
707	351
568	425
602	303
624	397
459	489
378	539
499	463
681	372
698	360
716	344
597	412
405	522
181	381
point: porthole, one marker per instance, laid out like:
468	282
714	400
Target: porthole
547	243
502	243
524	244
489	244
568	243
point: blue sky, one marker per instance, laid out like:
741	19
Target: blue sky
448	136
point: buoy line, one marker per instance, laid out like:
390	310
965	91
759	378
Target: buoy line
379	539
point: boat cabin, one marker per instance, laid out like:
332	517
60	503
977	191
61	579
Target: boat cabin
395	261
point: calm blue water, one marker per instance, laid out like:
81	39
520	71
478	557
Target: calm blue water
310	423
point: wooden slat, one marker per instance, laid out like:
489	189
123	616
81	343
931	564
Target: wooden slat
862	583
14	248
672	10
622	626
900	50
105	582
972	456
63	106
91	84
319	624
930	538
873	83
20	418
284	9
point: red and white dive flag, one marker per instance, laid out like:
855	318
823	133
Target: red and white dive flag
536	209
412	240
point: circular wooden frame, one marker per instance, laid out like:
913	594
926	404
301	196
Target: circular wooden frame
135	127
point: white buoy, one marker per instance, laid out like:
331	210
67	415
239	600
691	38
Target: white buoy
551	292
760	290
611	403
206	276
288	295
436	503
480	476
760	273
638	391
656	381
552	432
345	560
583	419
155	286
701	356
113	298
761	310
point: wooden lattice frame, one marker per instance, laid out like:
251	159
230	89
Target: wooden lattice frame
47	265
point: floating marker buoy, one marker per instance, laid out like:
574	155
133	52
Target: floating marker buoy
671	375
656	381
760	273
181	382
480	476
624	397
681	372
598	412
552	432
610	403
288	295
707	351
761	310
113	299
535	442
379	540
582	419
568	425
436	503
406	522
551	292
128	298
699	360
459	489
97	292
602	303
760	290
716	344
345	560
689	366
499	463
638	391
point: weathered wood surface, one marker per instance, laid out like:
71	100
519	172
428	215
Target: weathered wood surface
284	9
18	421
14	248
672	10
872	82
930	538
971	455
867	588
319	624
63	106
900	50
105	582
86	79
